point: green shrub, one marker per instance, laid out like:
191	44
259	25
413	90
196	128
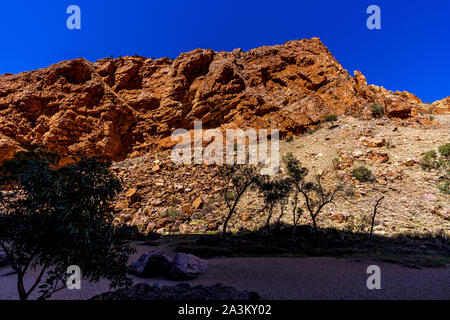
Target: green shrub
362	174
445	186
377	110
429	160
172	213
444	150
311	131
289	139
331	118
230	195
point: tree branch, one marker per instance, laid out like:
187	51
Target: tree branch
38	280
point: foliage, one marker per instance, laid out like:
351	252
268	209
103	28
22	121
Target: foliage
289	139
445	186
53	217
315	129
430	160
315	195
444	150
172	213
377	110
274	191
331	118
362	174
358	224
296	174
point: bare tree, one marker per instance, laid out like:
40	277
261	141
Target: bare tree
297	212
297	174
283	203
275	191
238	178
375	208
316	198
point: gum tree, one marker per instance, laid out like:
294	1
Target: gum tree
315	194
53	217
238	179
296	174
275	191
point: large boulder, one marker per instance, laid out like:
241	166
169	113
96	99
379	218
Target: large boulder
151	264
180	292
187	266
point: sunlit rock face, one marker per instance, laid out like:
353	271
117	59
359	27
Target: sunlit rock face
115	108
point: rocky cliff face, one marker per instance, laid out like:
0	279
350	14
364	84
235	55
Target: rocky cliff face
441	106
128	106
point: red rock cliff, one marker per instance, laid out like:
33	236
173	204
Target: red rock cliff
116	107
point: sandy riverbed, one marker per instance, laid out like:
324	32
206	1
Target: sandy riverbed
288	278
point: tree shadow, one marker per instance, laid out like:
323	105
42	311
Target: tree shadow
408	250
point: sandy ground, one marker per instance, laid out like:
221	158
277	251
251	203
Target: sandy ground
289	278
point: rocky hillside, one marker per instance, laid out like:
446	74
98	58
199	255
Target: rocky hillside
128	106
161	197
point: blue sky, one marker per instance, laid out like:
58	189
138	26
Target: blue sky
411	52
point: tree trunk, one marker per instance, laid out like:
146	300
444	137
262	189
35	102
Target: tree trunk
314	223
269	217
21	288
294	215
374	214
224	231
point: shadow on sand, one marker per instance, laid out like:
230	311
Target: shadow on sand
407	250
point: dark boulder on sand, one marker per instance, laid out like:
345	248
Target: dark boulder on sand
187	267
151	264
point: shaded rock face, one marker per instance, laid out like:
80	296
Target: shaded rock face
128	106
182	291
151	264
187	266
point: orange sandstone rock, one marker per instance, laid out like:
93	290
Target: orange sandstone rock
115	108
